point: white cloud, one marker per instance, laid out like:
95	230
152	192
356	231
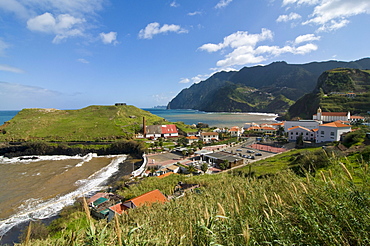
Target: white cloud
306	38
286	18
109	38
14	6
239	39
7	68
63	26
300	2
223	3
245	50
195	13
174	4
83	60
330	15
155	28
184	81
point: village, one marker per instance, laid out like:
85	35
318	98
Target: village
202	152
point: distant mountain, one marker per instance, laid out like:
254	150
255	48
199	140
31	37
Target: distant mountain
271	88
337	90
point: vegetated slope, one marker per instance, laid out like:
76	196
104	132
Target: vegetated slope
93	123
235	208
331	94
276	79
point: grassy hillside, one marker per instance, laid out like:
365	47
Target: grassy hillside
331	94
93	123
326	207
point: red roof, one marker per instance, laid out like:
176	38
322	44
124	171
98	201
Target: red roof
267	128
118	208
357	117
192	137
334	113
167	129
165	175
335	124
295	127
148	198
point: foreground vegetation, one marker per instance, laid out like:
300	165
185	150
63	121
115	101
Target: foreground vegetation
315	197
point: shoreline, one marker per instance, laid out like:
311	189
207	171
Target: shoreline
124	170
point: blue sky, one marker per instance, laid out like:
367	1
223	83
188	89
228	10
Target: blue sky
68	54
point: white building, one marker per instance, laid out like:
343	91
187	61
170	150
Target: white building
208	136
296	131
331	116
331	132
235	131
309	124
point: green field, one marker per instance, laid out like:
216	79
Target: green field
93	123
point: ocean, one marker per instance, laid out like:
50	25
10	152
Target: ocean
191	117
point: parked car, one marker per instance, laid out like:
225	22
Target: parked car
238	150
250	151
258	154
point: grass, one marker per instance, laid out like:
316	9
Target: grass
332	208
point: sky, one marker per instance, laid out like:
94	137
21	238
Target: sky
69	54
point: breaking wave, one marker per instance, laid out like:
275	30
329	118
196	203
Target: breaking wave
39	209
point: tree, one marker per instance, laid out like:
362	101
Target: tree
224	164
191	169
204	167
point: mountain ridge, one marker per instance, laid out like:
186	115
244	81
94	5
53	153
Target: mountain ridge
277	79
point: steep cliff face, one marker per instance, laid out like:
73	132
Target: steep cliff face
259	88
337	90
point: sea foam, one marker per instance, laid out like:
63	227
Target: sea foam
37	209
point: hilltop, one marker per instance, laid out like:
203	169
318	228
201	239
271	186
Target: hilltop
93	123
337	90
271	88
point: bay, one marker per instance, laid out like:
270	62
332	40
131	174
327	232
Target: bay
213	119
6	115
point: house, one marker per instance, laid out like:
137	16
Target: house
296	131
355	118
254	129
158	131
192	139
268	130
146	199
331	116
332	131
208	136
236	131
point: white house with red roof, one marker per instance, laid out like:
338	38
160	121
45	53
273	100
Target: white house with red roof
309	124
331	116
158	131
236	131
332	131
208	136
296	131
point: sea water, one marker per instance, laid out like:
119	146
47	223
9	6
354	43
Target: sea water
213	119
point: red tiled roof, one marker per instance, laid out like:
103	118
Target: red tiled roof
357	117
149	198
166	129
118	208
192	137
268	128
333	113
164	175
253	128
335	124
295	127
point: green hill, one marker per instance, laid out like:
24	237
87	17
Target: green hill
333	94
93	123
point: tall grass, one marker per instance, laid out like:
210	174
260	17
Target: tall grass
229	209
